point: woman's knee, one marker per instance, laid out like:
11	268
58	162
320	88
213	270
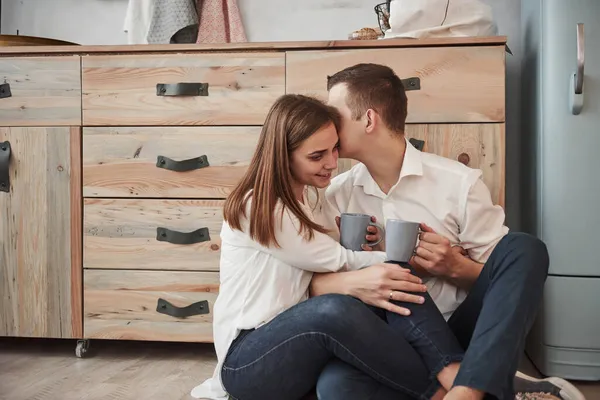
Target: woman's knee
335	310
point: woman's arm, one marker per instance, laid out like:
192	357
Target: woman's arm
372	285
321	254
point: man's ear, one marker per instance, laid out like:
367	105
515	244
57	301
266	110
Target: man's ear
370	117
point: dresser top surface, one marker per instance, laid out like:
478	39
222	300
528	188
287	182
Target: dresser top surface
255	46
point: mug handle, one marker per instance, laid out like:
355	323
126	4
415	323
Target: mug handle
381	231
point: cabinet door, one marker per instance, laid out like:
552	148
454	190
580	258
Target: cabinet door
40	233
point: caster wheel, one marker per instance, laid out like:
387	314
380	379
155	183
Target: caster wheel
82	348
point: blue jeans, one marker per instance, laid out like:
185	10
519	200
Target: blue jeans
491	324
284	358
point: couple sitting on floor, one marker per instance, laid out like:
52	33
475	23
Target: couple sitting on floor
298	312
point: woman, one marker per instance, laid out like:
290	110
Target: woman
272	341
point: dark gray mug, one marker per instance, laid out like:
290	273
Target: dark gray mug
353	229
400	239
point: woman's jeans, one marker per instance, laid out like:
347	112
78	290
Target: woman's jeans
284	358
352	351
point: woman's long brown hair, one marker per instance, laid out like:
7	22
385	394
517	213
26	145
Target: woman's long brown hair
292	119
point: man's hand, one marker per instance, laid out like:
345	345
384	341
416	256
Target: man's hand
436	255
374	284
372	235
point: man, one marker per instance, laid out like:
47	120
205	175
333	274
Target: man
489	292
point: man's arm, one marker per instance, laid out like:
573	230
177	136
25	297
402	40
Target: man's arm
435	256
481	228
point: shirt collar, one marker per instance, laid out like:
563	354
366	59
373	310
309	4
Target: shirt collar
412	165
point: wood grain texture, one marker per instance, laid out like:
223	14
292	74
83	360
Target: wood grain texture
121	234
121	162
121	89
35	236
122	305
115	370
46	91
458	84
258	46
76	199
484	146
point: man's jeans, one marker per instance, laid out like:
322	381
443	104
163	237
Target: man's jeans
491	324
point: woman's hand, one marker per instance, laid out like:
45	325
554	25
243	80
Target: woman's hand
372	235
378	284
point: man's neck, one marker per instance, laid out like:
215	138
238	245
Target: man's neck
384	161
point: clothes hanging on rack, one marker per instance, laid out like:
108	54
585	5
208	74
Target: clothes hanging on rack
173	21
220	22
137	20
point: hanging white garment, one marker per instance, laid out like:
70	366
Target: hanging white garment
137	20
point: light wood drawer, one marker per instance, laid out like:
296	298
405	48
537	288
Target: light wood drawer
128	234
122	89
44	91
130	305
132	162
457	84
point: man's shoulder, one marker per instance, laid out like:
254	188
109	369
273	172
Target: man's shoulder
444	168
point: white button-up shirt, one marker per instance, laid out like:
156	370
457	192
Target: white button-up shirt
444	194
257	283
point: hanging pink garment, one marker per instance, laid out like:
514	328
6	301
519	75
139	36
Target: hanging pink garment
220	22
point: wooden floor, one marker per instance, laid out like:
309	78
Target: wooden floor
49	370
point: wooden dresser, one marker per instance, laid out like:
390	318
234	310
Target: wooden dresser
119	159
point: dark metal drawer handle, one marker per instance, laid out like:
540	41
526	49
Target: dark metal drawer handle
199	308
182	166
197	236
5	91
418	144
413	83
182	89
5	152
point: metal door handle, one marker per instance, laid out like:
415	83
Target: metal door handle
185	238
5	152
199	308
182	89
576	96
580	59
184	165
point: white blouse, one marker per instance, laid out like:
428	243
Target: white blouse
257	283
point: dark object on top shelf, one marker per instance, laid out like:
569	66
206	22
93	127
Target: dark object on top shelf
383	15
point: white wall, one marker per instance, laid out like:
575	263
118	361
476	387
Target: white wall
101	22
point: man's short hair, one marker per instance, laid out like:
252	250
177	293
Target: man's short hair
377	87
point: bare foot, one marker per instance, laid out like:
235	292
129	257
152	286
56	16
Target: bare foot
439	395
447	375
464	393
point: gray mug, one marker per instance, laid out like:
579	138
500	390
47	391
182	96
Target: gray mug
353	229
400	239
